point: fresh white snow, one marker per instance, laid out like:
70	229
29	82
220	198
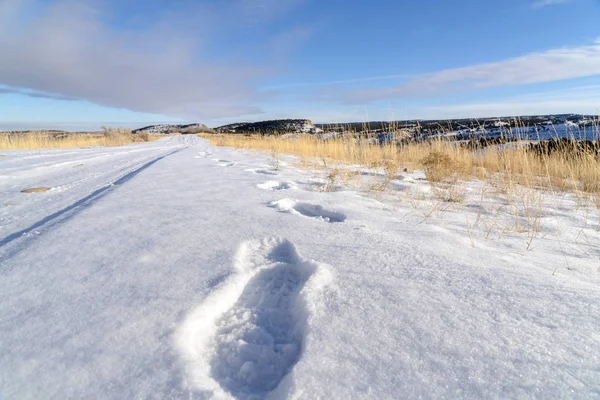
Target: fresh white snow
174	269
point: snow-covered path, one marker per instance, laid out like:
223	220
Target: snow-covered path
179	270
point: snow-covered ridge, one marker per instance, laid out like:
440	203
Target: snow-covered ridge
174	128
272	126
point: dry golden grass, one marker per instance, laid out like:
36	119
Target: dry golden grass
443	161
41	189
522	184
48	140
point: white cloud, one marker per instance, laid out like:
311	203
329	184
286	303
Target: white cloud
66	50
548	66
580	99
343	81
511	108
544	3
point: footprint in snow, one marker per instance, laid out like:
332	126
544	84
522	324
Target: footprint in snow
203	154
275	185
308	210
224	163
261	171
249	334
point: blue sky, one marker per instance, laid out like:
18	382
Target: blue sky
70	64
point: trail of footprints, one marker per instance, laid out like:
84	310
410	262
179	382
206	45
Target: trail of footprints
286	205
246	338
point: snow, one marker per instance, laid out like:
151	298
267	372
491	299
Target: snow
174	269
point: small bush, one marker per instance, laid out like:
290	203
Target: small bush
443	172
116	133
196	130
142	136
439	167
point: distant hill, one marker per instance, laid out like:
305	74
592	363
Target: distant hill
174	128
277	126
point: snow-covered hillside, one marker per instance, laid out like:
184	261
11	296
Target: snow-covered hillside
174	269
174	128
535	127
273	126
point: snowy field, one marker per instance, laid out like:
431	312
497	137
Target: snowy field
174	269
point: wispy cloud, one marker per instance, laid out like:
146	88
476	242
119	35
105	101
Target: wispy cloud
580	99
548	66
510	108
34	93
257	12
65	50
343	81
545	3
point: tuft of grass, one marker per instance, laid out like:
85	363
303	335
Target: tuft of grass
36	190
441	167
444	172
